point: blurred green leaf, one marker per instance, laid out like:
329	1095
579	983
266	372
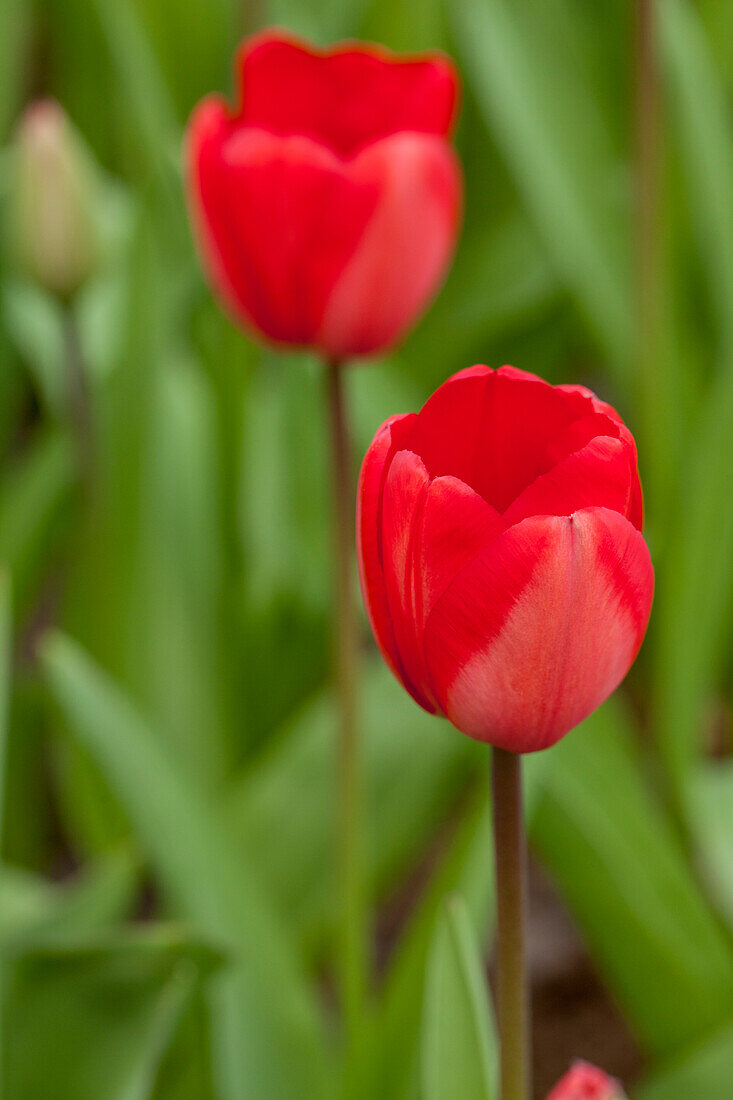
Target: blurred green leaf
617	861
182	574
405	25
393	1037
712	827
147	97
702	113
105	602
32	910
459	1048
465	867
15	27
98	1017
695	603
267	1033
35	322
557	145
695	591
284	489
283	812
705	1072
205	34
501	280
6	669
322	22
33	494
25	899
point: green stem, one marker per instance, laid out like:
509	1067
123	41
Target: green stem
656	414
77	396
352	917
511	902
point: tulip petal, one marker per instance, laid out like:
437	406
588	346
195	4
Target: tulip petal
493	430
601	474
586	1082
580	432
404	252
455	526
403	499
277	219
538	630
602	420
345	97
376	464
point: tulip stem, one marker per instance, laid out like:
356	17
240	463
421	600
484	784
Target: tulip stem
77	396
352	916
511	902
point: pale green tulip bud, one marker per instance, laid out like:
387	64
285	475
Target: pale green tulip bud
54	201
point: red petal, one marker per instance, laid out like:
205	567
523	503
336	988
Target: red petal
585	1082
602	474
492	429
603	409
456	525
538	630
578	434
404	494
373	473
345	97
405	250
277	220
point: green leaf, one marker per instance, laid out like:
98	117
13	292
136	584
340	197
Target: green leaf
35	322
466	868
33	494
501	281
617	860
6	662
282	811
712	826
184	674
140	80
15	31
284	460
557	145
702	113
267	1032
459	1049
696	587
705	1072
96	1018
31	909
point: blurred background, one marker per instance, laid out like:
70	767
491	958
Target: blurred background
167	899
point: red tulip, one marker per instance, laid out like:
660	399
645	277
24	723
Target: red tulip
585	1082
504	573
326	203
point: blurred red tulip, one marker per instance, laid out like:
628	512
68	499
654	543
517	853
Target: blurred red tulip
326	203
584	1082
502	565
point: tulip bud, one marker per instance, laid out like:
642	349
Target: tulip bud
585	1082
326	202
501	557
52	202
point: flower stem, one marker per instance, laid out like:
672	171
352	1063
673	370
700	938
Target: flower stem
77	397
511	895
352	917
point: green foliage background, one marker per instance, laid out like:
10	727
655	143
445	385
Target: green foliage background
167	900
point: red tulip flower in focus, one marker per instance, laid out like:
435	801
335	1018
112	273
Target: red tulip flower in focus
584	1082
326	203
502	563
